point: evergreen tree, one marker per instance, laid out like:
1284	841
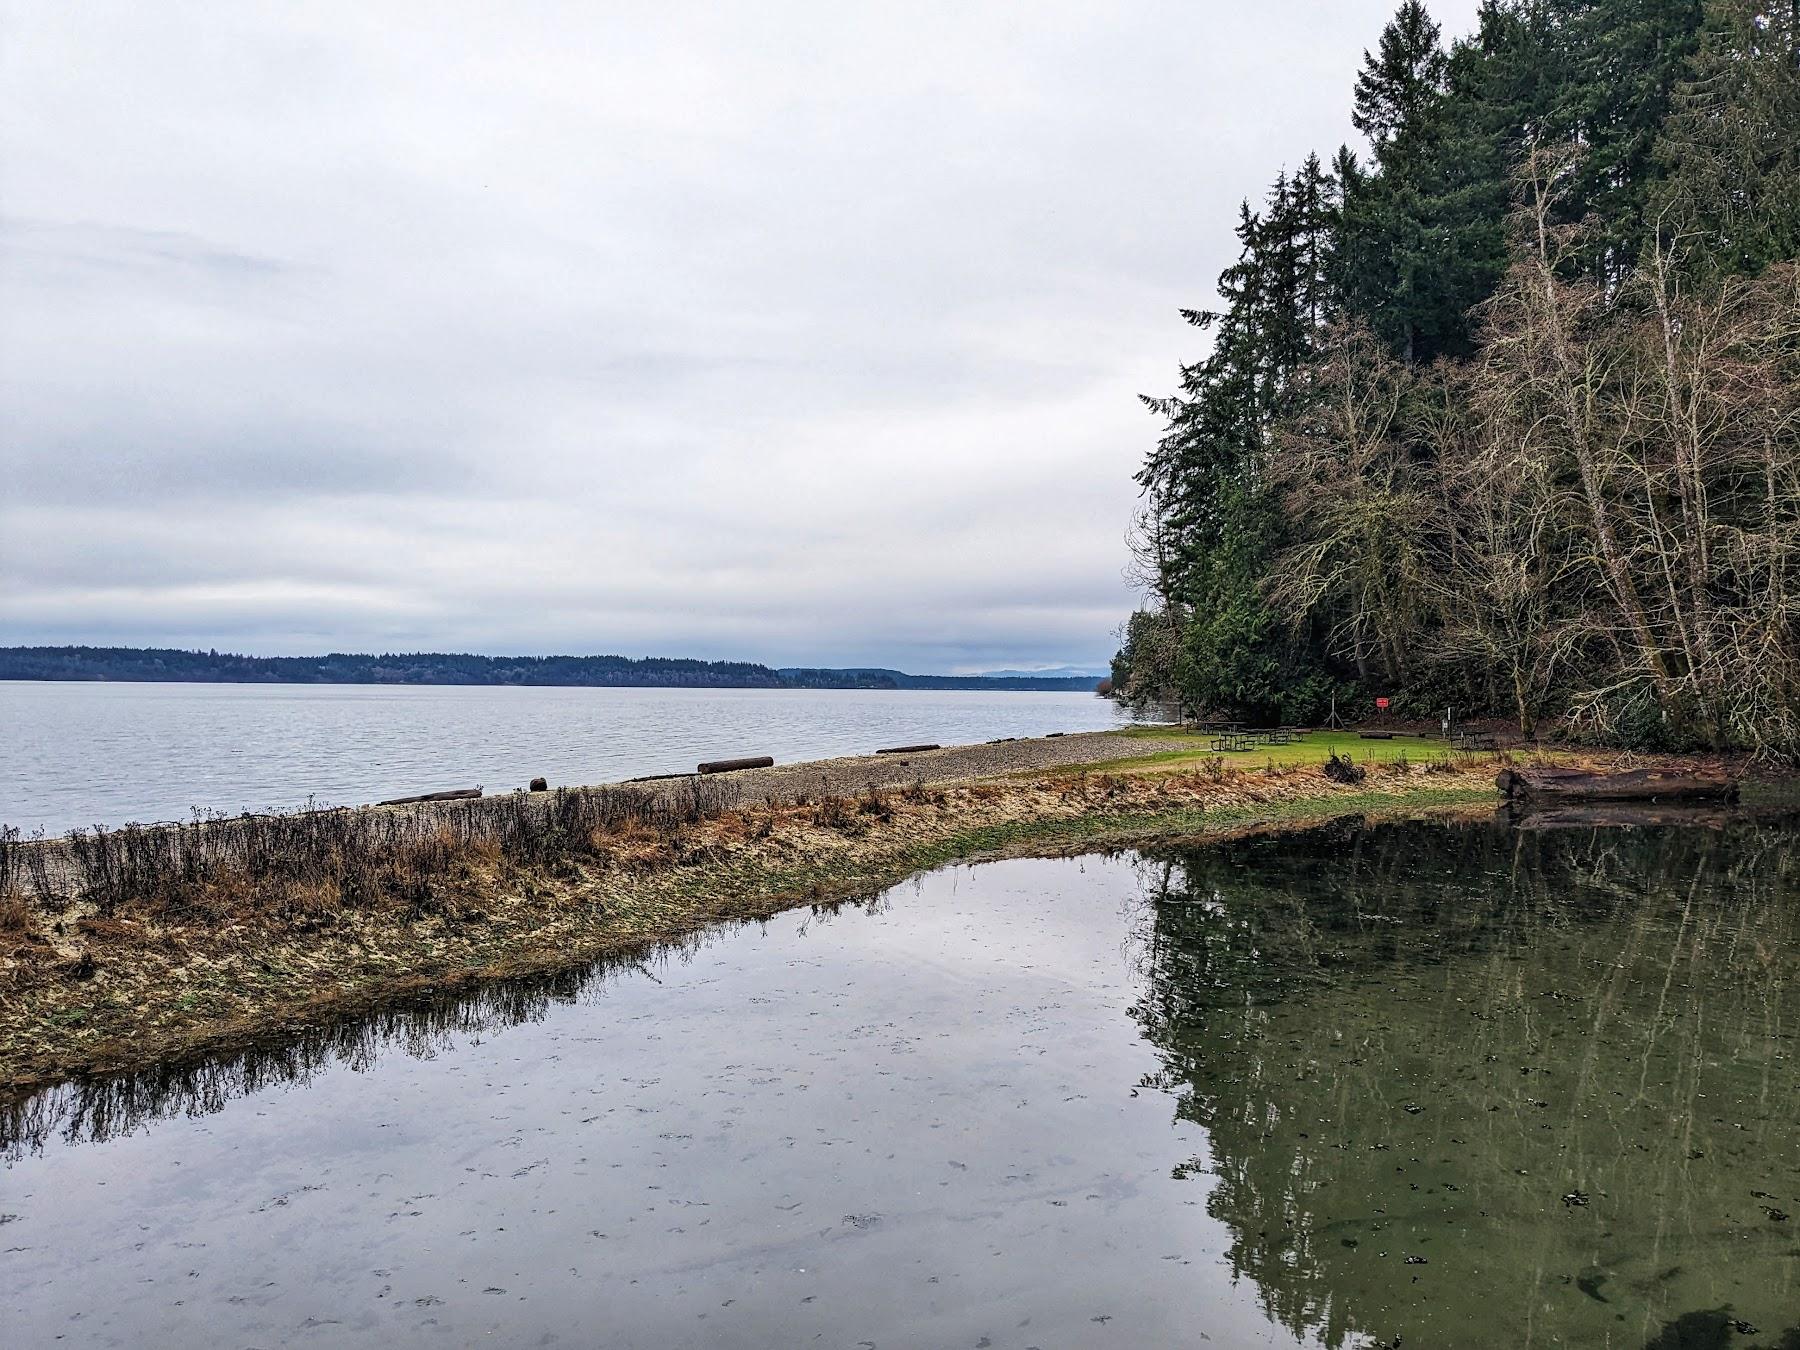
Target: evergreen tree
1403	82
1421	242
1624	60
1730	149
1207	477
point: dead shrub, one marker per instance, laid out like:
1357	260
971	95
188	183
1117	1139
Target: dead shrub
833	812
15	913
108	930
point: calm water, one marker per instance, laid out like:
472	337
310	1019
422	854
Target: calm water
1426	1085
85	754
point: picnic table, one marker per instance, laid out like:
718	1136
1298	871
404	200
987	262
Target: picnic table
1233	736
1474	740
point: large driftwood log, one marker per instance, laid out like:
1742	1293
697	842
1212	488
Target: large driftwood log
1695	782
729	765
908	749
454	795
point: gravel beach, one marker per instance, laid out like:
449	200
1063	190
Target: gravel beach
951	764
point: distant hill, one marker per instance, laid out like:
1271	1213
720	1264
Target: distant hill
875	677
1085	673
213	667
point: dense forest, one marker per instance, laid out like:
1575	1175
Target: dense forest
1502	412
213	667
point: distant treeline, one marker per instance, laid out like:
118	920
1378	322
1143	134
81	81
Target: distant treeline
658	672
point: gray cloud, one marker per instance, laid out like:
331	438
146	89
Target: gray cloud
797	332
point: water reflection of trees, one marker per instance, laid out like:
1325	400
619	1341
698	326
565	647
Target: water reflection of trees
1553	1069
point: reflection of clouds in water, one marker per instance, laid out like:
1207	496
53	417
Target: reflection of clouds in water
99	1107
105	1106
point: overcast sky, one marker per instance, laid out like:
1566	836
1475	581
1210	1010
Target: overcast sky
796	332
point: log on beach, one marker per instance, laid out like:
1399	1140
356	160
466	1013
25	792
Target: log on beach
1694	782
908	749
732	765
453	795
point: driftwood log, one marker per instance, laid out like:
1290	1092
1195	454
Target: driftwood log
1690	783
908	749
731	765
453	795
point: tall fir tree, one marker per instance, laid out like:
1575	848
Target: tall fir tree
1420	243
1624	60
1207	476
1729	152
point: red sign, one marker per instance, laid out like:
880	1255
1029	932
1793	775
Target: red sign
1381	703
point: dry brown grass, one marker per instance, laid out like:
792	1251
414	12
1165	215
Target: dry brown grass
15	914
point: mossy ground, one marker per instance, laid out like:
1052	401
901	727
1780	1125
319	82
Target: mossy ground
1313	748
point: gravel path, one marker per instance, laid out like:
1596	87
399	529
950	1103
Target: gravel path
952	764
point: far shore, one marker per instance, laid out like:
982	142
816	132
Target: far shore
190	965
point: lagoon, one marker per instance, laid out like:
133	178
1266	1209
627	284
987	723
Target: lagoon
1444	1083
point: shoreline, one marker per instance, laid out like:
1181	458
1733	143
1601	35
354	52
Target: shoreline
86	994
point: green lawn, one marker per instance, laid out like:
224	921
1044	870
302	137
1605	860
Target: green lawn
1313	748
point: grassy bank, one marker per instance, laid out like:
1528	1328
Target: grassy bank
1184	748
182	943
